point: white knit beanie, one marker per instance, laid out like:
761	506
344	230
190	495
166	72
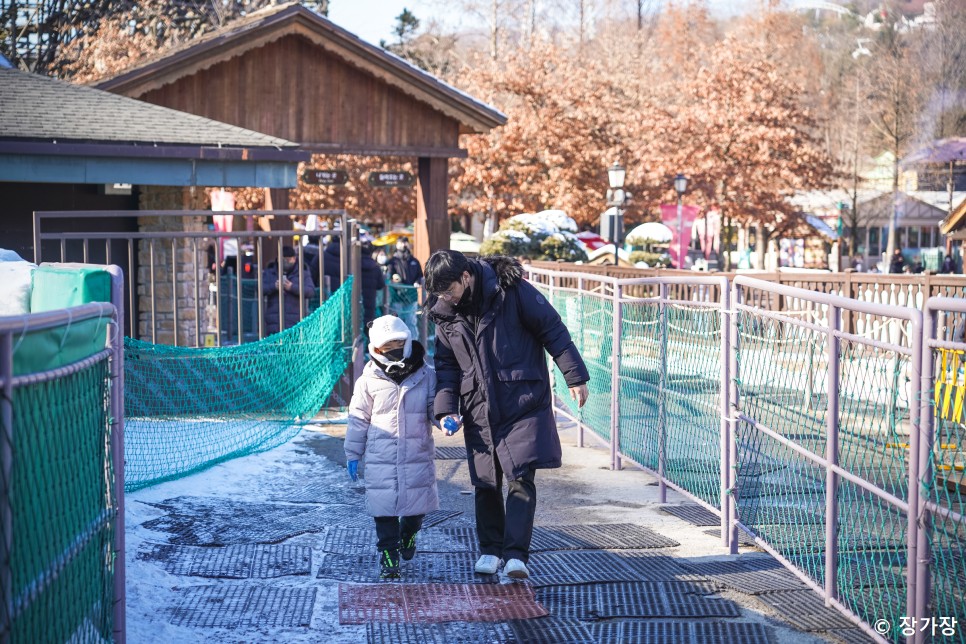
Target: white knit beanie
385	330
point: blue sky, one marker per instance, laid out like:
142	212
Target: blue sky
373	20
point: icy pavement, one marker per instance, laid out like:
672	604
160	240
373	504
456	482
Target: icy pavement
256	549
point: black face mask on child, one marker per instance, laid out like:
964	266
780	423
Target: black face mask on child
395	355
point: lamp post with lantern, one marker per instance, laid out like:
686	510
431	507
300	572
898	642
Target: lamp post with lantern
681	186
616	199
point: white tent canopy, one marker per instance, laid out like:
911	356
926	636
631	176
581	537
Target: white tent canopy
649	232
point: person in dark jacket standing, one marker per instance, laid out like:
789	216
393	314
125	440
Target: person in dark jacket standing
492	380
403	268
373	280
289	285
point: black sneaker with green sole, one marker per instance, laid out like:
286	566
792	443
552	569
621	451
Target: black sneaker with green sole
389	562
408	549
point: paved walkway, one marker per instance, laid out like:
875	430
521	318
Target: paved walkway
263	548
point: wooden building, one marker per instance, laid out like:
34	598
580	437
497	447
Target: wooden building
289	72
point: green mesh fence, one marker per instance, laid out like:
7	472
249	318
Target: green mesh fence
781	378
189	408
589	318
62	508
667	400
406	303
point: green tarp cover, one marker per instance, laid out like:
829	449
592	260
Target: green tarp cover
61	286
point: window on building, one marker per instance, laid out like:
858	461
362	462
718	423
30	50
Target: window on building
911	236
875	238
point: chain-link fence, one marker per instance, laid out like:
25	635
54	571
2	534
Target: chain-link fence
810	405
59	506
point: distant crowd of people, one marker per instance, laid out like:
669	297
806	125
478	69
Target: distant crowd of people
397	267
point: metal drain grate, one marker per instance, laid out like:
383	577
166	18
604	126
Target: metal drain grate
751	576
598	537
203	521
231	606
743	538
420	603
682	633
636	599
805	610
581	567
438	516
435	567
451	453
551	631
359	541
322	493
230	562
441	633
693	513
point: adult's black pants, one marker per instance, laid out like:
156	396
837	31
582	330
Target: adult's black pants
506	530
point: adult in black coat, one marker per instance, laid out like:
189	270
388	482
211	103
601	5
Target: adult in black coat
493	328
372	278
897	263
403	268
290	289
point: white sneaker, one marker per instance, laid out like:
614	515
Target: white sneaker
488	564
516	569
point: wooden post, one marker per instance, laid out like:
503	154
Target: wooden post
275	198
432	228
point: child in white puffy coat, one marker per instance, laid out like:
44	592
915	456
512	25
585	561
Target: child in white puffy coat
391	425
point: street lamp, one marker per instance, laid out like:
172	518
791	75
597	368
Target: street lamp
616	198
681	186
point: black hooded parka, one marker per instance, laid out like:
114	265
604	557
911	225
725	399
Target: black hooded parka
492	369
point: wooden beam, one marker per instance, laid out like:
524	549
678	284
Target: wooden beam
383	151
432	227
275	199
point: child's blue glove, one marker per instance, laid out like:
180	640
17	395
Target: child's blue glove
452	424
353	467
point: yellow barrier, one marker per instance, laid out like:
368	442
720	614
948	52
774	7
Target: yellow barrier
950	385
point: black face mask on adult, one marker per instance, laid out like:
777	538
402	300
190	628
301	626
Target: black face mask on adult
466	299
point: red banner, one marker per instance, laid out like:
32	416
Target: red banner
681	236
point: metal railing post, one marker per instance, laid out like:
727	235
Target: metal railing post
724	407
261	290
116	343
921	444
238	288
615	383
154	300
196	280
6	472
832	454
174	289
734	407
280	277
662	412
580	310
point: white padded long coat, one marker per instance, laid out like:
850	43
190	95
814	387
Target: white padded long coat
390	425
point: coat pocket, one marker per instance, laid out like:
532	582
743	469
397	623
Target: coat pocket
521	390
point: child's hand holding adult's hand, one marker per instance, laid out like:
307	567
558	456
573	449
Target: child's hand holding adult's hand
451	424
353	467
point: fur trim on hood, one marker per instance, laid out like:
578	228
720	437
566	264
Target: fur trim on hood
508	270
